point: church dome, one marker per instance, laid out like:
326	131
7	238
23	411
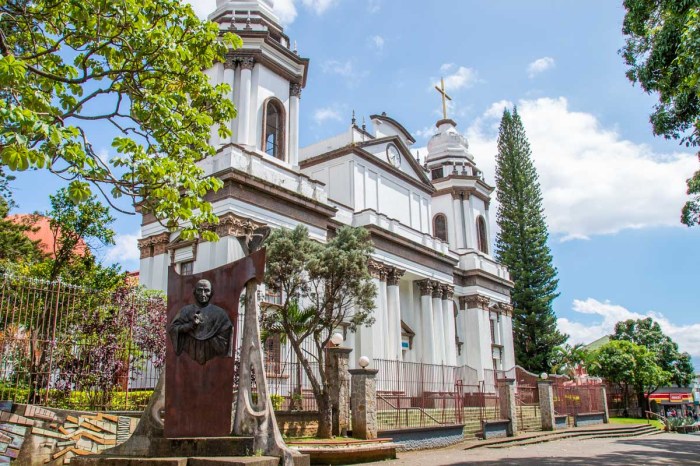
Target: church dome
448	142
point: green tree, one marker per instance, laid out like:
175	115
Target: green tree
647	333
662	50
130	67
322	286
15	246
630	366
567	359
521	245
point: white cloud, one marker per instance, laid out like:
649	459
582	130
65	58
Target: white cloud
377	42
125	251
593	181
202	7
540	66
346	69
319	6
462	77
687	336
426	132
321	115
374	6
285	11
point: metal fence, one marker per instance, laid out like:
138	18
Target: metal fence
573	400
420	395
68	347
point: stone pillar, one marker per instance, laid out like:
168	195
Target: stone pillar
544	387
337	365
293	140
244	111
229	71
427	331
506	393
604	401
364	403
448	320
438	326
394	313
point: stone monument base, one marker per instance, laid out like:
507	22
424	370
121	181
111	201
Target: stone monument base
204	451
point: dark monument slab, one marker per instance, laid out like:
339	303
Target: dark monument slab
198	385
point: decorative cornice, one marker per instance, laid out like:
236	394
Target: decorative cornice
295	90
247	63
474	301
448	291
505	309
153	245
394	276
233	225
426	287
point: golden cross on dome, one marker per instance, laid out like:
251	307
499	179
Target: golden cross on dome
445	97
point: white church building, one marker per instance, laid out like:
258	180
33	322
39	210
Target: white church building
442	297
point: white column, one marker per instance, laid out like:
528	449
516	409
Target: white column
439	327
462	332
229	71
394	313
478	334
293	139
244	112
507	336
469	221
458	236
427	331
449	323
365	336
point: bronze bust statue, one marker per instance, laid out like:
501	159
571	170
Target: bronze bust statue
201	330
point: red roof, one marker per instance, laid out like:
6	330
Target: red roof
41	231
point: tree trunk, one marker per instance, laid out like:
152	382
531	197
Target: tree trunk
643	402
325	416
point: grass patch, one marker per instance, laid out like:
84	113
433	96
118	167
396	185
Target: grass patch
633	420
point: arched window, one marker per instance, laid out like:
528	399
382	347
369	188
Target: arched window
481	235
440	227
273	128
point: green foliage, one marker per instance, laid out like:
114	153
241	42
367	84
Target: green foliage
134	67
662	50
322	285
630	366
276	401
567	358
647	333
521	245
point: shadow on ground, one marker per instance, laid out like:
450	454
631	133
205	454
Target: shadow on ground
651	452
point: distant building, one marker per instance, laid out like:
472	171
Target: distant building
41	231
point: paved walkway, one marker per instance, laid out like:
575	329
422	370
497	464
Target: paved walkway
660	449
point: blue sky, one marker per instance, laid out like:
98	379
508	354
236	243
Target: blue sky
612	191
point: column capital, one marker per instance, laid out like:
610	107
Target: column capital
505	309
394	276
295	90
229	61
377	270
426	287
233	225
153	245
448	291
474	301
437	290
247	63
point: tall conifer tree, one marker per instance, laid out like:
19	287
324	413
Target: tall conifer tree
521	245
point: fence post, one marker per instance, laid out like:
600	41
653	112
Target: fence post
337	364
544	388
364	403
508	404
604	401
